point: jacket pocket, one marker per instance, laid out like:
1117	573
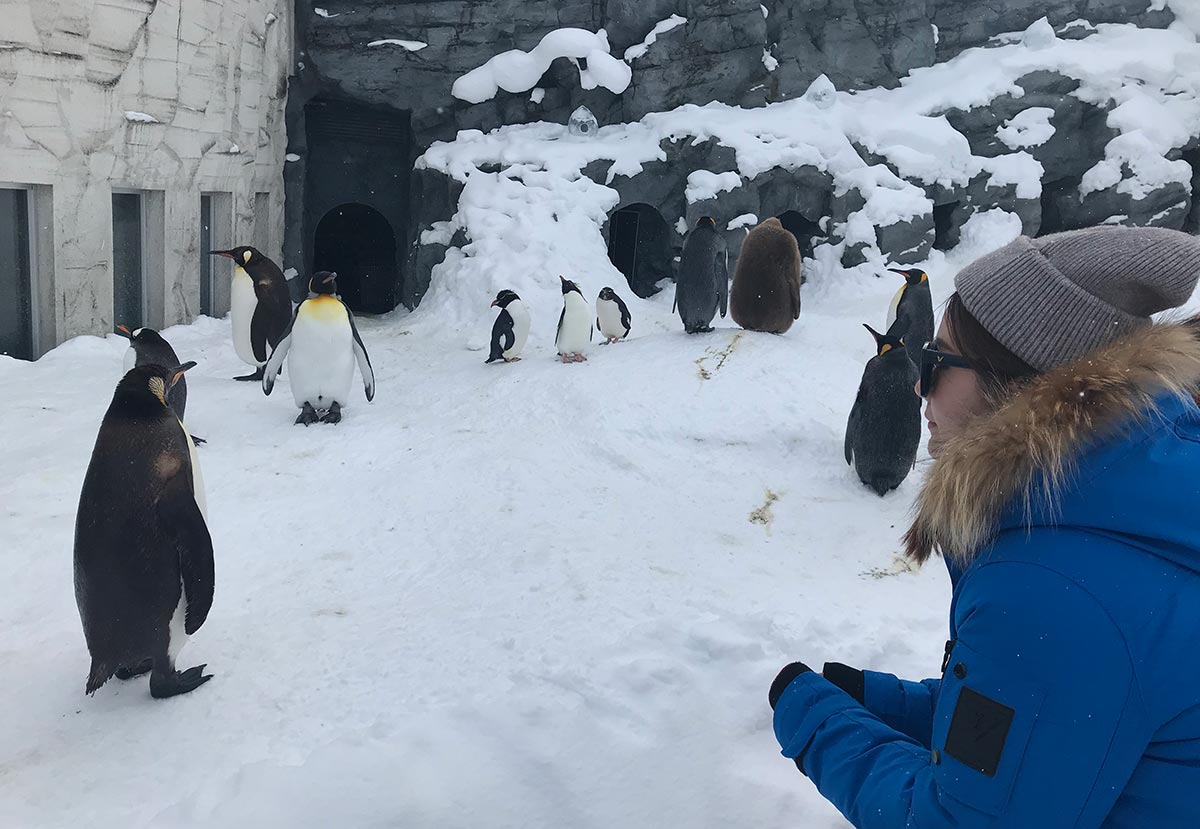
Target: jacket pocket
985	715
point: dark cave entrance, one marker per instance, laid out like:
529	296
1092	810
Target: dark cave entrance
356	242
639	245
943	226
807	232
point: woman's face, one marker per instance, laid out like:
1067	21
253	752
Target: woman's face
956	397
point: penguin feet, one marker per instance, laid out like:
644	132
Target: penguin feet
334	415
165	684
308	415
142	667
573	358
198	441
512	359
257	375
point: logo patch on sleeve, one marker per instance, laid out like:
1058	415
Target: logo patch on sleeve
978	731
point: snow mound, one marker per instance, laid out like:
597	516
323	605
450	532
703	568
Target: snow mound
662	27
702	184
1028	128
744	220
141	118
518	71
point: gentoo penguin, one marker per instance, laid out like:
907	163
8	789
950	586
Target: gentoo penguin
143	555
766	281
321	346
912	307
702	283
148	347
511	328
574	324
884	429
612	316
260	305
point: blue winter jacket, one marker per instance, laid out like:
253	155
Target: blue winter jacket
1070	696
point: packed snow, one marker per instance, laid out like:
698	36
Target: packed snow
561	604
324	13
745	220
519	71
661	27
140	118
769	60
702	185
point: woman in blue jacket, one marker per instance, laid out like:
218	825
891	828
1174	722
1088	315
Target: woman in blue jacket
1065	498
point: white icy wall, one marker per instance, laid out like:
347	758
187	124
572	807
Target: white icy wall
212	76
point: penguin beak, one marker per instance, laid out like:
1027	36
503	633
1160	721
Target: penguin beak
228	254
897	270
124	332
327	280
178	371
493	305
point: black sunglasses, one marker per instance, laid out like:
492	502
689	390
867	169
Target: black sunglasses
932	358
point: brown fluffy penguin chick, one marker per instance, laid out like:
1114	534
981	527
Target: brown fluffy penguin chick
766	282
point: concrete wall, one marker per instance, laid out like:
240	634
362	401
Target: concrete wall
213	73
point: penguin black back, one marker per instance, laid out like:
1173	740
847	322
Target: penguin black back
139	535
913	312
883	432
273	311
152	348
702	281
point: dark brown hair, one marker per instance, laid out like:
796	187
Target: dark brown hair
998	367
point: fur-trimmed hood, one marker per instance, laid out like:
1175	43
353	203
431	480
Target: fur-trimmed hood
1035	438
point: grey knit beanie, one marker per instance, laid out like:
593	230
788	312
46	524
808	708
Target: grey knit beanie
1053	299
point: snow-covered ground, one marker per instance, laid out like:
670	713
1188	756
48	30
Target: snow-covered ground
511	595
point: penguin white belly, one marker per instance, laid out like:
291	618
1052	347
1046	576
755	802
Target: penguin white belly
895	307
130	360
576	333
242	303
609	315
177	632
321	359
520	318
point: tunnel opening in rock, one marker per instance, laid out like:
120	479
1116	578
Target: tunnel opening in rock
943	226
356	197
1191	224
639	245
807	232
356	241
1057	196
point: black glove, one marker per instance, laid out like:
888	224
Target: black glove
784	679
849	679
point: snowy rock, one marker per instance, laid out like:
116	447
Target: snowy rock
660	28
1039	35
291	157
769	61
141	118
744	220
1029	128
406	45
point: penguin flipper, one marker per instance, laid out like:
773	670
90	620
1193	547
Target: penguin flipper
274	365
626	319
184	524
258	333
852	429
360	354
723	282
562	315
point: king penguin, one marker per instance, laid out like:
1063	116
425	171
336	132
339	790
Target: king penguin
612	316
148	347
321	346
884	429
511	328
574	324
143	556
260	304
702	283
911	312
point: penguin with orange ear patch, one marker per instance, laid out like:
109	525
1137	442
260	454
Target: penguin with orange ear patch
321	346
911	312
884	430
143	554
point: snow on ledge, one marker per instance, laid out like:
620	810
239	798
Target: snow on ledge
744	220
702	185
1028	128
141	118
408	45
661	27
518	71
319	12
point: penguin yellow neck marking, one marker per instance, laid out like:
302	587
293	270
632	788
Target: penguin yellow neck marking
159	389
886	348
924	276
324	307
